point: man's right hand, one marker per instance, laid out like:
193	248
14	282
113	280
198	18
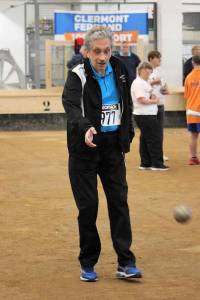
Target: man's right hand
156	81
89	137
153	99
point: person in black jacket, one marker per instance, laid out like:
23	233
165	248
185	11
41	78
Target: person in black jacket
130	59
188	66
98	105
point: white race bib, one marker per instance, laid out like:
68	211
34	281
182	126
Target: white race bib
110	115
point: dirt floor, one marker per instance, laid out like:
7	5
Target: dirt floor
39	233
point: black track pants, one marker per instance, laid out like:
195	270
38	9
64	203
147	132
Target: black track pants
107	161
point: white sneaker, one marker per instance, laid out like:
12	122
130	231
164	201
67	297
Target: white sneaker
165	158
161	168
144	168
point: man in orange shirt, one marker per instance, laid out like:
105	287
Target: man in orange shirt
192	96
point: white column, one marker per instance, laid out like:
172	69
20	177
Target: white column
12	30
170	40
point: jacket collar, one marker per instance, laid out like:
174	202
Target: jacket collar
107	71
114	61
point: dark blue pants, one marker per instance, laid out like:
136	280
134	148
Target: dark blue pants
107	161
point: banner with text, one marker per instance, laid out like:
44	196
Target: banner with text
125	26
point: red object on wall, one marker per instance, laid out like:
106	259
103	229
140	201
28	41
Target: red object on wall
78	42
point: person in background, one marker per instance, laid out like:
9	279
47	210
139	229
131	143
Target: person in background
78	42
97	101
130	60
188	66
191	94
145	111
77	58
160	88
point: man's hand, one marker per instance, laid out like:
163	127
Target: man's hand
156	81
153	99
164	90
89	137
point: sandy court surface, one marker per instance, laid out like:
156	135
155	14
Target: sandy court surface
39	233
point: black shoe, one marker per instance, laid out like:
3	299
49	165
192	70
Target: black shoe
160	168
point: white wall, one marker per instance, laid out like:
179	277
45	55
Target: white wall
12	30
170	39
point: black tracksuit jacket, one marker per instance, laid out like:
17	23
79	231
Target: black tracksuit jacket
82	101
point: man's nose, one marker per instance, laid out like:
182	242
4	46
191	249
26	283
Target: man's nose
102	56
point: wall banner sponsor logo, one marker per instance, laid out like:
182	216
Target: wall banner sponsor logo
126	26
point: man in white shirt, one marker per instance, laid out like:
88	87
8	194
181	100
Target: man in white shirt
159	88
145	114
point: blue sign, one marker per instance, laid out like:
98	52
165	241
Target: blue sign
82	22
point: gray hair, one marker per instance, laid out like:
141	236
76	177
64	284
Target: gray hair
144	65
97	33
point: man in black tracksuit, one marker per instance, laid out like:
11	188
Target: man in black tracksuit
96	149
